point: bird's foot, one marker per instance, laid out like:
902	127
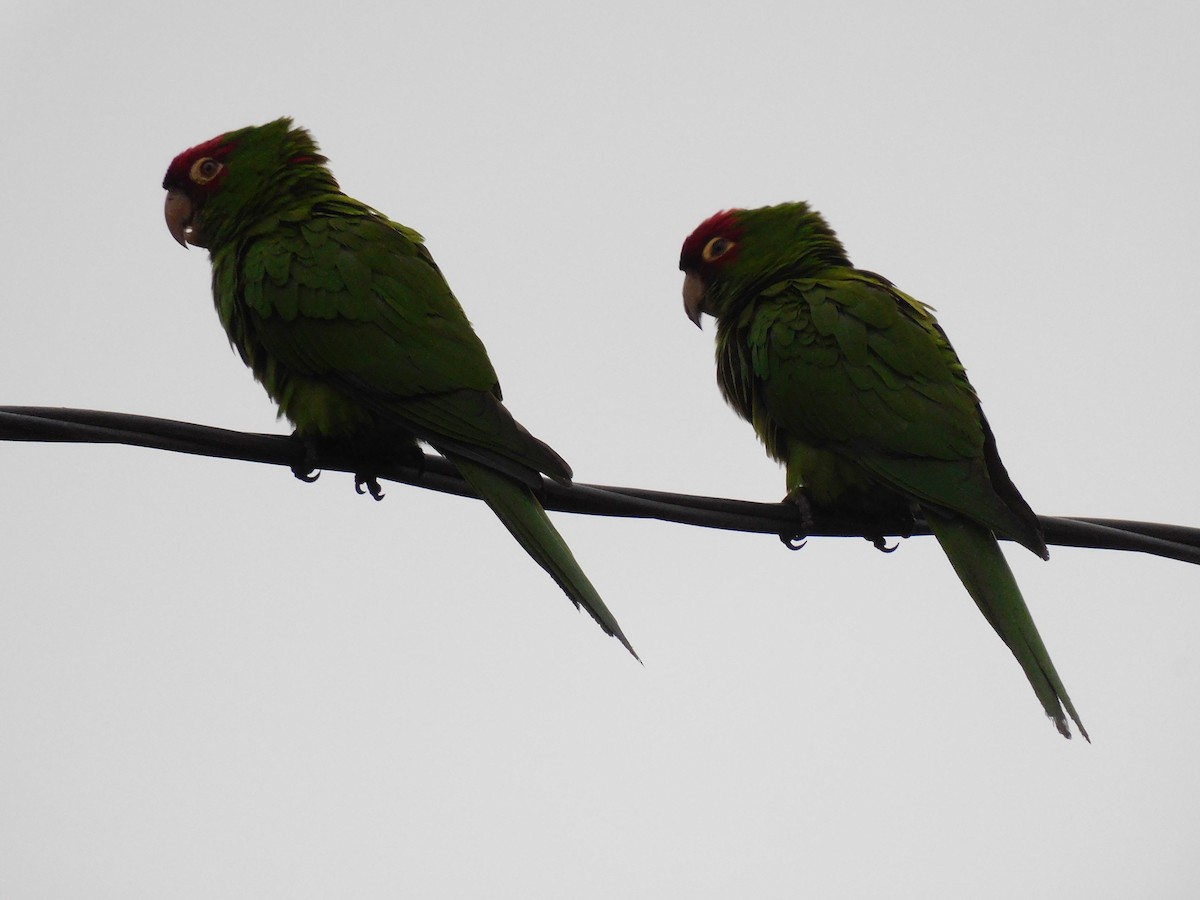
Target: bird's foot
901	522
306	469
794	540
371	485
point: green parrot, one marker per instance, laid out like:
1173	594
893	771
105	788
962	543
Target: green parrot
349	325
854	387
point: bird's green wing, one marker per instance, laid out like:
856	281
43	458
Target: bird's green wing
356	303
850	364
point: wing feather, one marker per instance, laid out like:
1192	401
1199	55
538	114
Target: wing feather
356	304
849	364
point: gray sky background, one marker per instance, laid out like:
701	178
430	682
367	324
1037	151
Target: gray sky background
216	681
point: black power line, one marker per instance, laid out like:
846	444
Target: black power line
35	423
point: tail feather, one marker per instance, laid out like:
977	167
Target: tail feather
524	517
980	564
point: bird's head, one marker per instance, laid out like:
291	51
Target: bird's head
228	182
193	177
738	251
707	254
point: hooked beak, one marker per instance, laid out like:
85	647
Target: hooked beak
693	297
178	210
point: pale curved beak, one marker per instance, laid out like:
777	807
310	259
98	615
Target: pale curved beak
178	210
693	297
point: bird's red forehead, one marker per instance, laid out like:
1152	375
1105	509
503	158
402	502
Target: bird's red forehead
217	148
723	224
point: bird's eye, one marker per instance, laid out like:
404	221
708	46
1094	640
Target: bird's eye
716	248
205	170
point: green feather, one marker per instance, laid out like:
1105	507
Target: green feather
525	518
983	570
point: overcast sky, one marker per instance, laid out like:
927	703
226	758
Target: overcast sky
216	681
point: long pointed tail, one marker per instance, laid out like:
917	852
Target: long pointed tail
523	515
979	562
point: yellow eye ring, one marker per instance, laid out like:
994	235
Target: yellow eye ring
205	170
716	248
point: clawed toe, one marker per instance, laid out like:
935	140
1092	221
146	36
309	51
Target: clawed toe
371	485
306	469
794	540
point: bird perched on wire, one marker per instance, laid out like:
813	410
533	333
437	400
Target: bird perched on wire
349	325
854	387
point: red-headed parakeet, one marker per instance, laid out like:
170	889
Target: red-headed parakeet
854	387
347	322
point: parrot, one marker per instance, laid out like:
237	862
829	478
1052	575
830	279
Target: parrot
349	325
852	385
